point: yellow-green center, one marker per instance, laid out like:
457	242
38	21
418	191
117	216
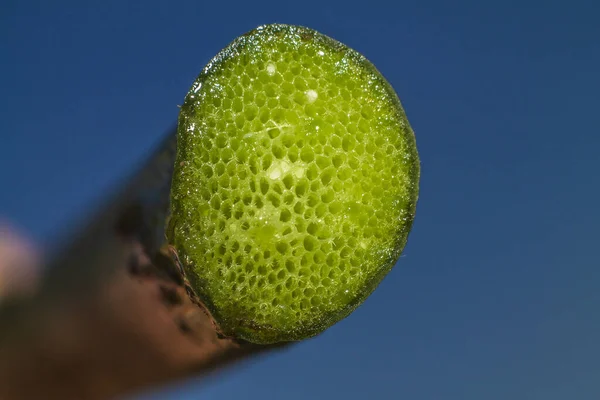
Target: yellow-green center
295	184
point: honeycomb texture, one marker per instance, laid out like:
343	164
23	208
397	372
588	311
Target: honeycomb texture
295	184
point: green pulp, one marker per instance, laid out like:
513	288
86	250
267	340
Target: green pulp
295	183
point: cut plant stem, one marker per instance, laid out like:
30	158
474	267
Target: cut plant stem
112	314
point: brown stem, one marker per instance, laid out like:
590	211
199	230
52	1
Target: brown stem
113	312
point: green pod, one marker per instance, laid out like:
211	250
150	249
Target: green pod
295	184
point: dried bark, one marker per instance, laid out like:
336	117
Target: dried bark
114	312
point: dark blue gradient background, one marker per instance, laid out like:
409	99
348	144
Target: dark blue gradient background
497	293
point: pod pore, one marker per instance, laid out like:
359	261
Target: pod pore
295	183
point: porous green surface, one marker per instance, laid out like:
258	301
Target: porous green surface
295	183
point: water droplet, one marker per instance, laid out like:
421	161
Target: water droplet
311	96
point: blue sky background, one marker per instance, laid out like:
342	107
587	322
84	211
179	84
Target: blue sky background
497	293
